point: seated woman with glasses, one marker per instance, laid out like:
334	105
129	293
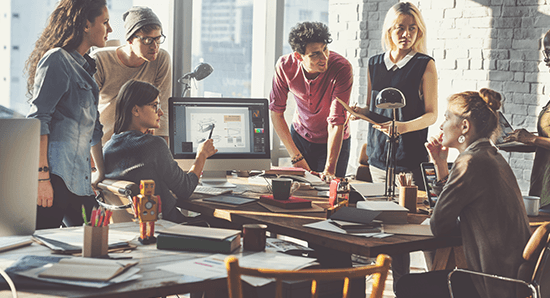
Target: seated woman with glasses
479	197
133	155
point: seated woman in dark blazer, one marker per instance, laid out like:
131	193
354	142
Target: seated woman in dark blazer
133	155
480	197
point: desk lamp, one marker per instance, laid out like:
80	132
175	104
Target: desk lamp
391	98
200	72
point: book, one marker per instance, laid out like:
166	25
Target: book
370	117
390	212
11	242
183	237
286	171
353	227
231	200
91	269
291	203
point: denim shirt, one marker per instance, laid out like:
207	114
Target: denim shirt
65	99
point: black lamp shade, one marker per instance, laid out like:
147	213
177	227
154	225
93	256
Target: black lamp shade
390	98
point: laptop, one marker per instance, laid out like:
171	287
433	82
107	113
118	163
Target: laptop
429	177
19	152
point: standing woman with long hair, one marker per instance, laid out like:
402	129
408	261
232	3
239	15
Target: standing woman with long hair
404	66
64	97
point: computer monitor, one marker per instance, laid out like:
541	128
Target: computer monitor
238	126
19	153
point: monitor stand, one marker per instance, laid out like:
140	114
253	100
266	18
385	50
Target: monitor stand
216	179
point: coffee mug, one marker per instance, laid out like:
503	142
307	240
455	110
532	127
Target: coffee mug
283	188
254	237
532	205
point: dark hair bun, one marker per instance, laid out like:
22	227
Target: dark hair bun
491	97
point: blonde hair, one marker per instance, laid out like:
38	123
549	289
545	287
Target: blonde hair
404	8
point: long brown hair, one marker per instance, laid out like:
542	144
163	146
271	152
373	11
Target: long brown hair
65	29
132	93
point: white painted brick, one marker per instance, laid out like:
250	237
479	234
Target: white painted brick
464	85
438	53
516	65
484	84
452	13
531	77
501	76
476	64
463	63
457	53
524	44
476	75
519	76
446	64
475	53
489	64
495	54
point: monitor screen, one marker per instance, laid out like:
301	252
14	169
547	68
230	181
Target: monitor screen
238	126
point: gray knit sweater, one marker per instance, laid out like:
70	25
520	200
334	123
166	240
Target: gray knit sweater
134	156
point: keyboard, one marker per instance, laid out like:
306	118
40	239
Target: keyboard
214	191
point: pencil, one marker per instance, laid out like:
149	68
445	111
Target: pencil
210	135
84	215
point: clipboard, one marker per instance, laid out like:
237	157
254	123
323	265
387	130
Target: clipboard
371	117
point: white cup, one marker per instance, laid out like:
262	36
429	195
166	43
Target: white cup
532	205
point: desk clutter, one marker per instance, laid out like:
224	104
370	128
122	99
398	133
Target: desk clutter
76	271
192	238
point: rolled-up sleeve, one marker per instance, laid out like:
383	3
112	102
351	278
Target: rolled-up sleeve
51	82
279	89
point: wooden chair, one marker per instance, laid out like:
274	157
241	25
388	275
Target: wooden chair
379	272
534	273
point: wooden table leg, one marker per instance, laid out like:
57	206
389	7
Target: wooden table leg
448	258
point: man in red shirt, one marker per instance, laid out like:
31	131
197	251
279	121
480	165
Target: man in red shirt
319	138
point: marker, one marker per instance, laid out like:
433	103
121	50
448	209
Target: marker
94	213
84	215
210	135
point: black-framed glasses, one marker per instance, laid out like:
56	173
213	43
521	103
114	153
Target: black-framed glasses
155	106
149	40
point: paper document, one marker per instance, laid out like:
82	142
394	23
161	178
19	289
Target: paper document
371	117
369	189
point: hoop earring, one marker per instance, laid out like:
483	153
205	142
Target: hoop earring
461	139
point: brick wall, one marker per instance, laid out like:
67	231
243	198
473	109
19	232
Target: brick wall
476	44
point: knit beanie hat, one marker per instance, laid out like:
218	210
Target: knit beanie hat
137	17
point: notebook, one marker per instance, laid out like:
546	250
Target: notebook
19	151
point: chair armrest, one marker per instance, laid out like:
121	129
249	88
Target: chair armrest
530	286
119	188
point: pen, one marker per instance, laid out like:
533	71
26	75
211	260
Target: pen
93	216
210	135
106	218
84	215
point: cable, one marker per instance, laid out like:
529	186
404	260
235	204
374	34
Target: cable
10	283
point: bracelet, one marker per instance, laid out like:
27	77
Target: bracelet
44	169
442	181
298	157
42	180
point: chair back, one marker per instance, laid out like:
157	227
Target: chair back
379	271
535	268
116	195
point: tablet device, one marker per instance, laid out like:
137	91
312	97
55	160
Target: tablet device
429	177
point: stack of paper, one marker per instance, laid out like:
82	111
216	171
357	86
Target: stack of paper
390	212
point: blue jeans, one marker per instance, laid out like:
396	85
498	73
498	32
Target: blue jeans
316	154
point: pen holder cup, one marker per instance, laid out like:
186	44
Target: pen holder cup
407	197
96	241
254	237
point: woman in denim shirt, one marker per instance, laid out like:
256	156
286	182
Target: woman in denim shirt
64	97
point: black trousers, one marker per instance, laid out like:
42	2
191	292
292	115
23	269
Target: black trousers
434	284
66	208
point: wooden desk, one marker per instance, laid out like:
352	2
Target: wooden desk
291	224
153	283
448	249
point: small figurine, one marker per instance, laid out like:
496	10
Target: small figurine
338	195
147	207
